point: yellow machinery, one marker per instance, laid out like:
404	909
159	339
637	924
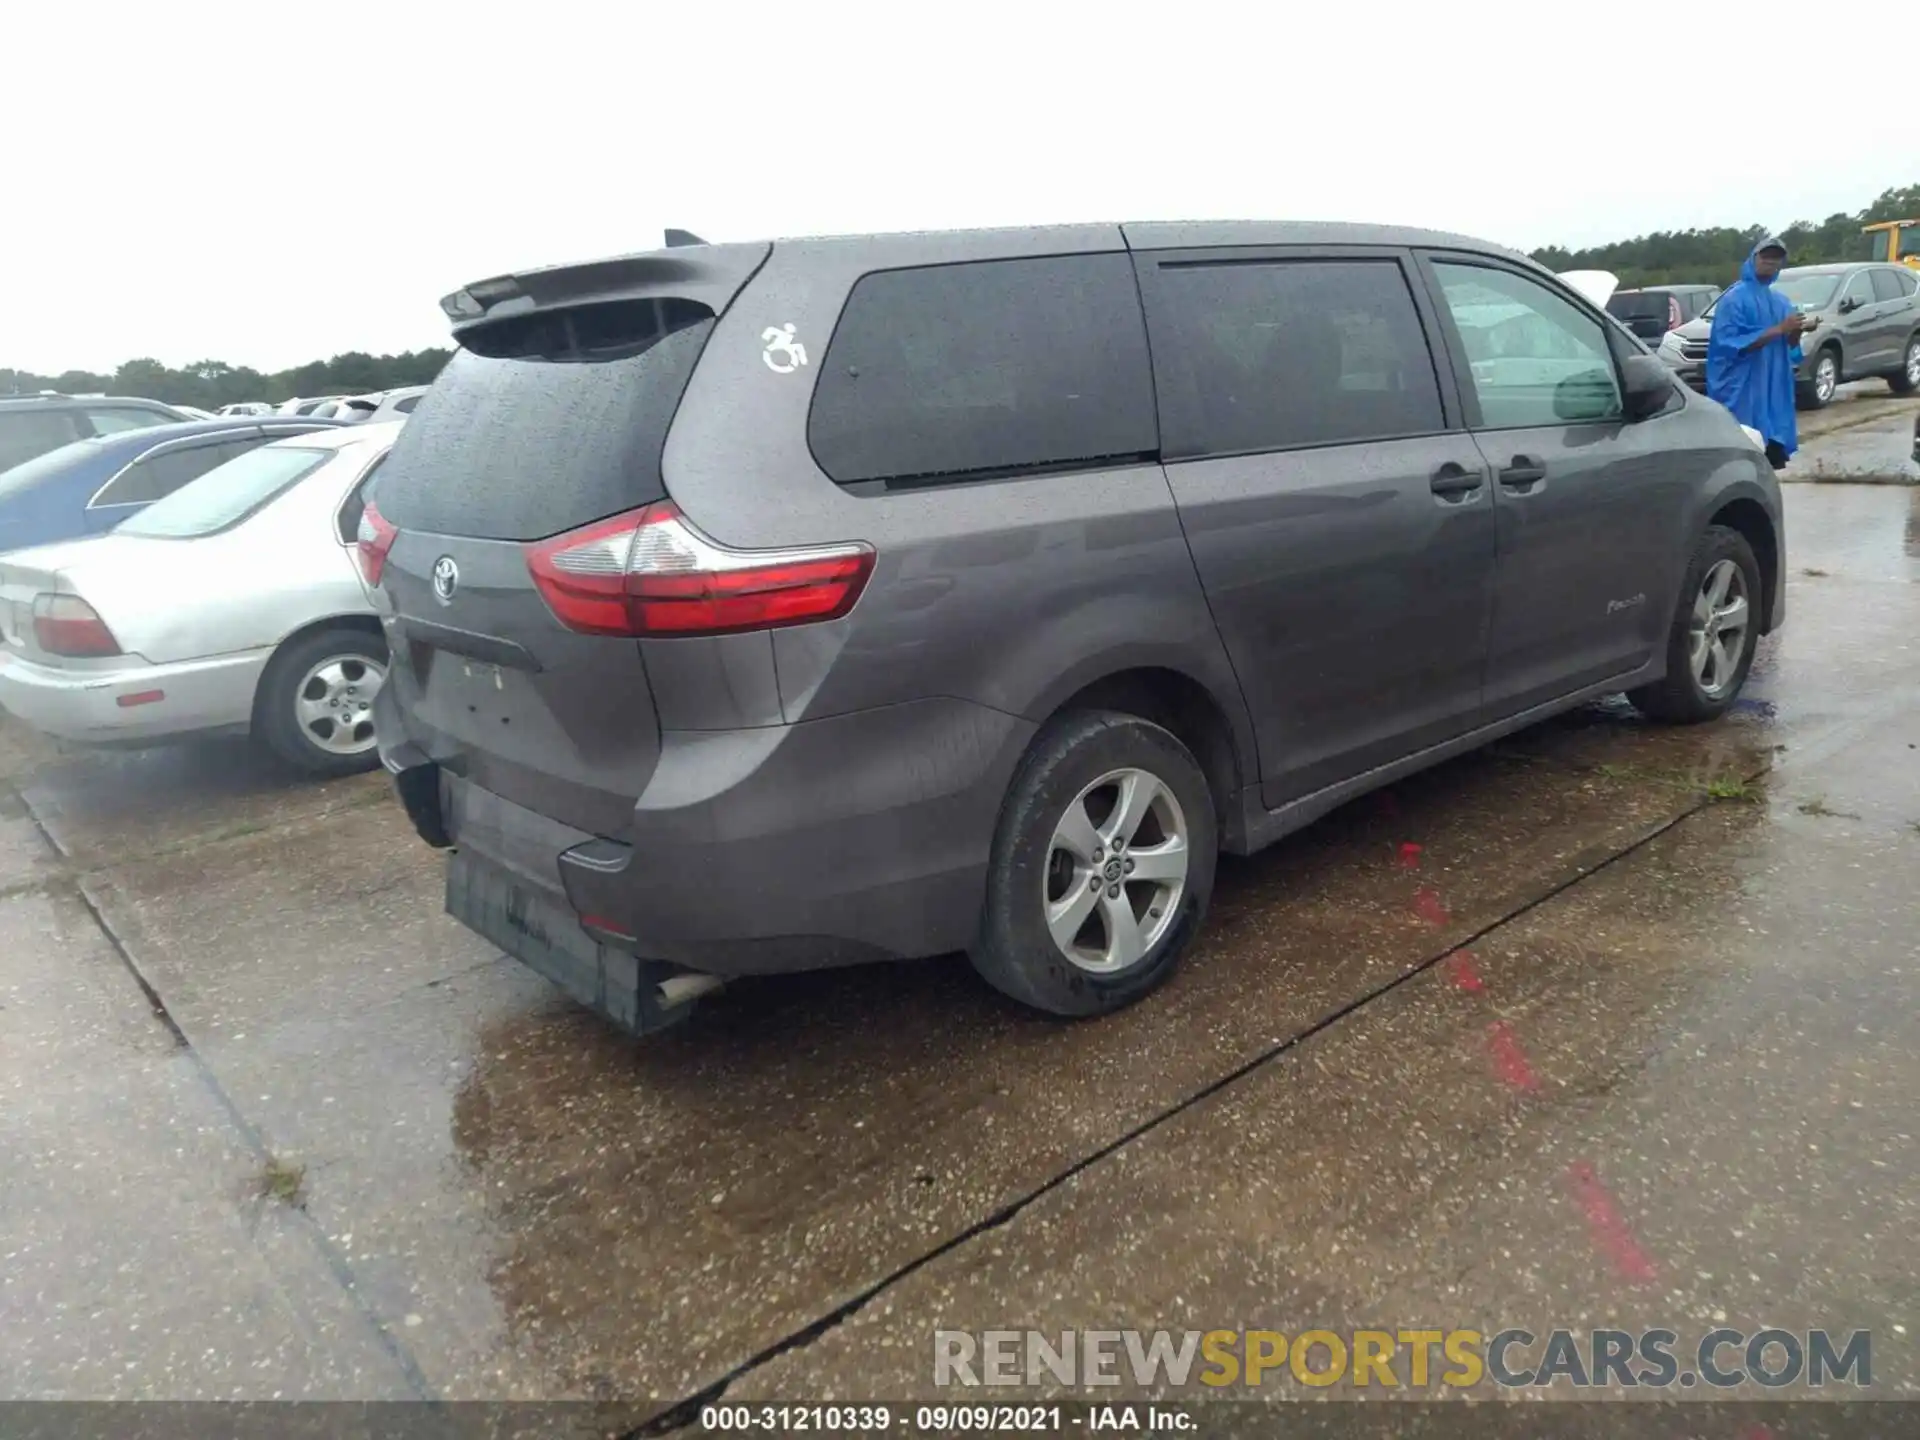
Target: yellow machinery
1898	241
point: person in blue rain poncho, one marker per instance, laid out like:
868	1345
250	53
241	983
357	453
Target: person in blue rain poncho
1754	351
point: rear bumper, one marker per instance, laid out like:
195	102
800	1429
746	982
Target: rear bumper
835	841
196	696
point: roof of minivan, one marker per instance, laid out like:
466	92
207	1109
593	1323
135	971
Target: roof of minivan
1200	234
1140	235
713	273
1167	235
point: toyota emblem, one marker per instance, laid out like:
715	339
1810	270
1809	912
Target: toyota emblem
446	579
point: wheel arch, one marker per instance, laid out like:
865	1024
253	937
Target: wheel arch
1214	728
1745	514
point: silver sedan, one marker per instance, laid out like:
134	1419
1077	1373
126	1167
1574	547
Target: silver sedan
234	605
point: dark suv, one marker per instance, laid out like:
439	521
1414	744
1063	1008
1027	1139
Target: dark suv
767	606
32	425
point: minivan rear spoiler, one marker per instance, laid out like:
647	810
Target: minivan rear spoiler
710	275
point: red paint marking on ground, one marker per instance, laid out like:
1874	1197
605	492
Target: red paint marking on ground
1509	1060
1410	855
1608	1226
1426	904
1465	975
1756	1432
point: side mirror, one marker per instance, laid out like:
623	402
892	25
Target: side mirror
1649	386
1849	305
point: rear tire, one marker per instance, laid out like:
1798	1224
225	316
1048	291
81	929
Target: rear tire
1055	931
1906	379
314	708
1703	677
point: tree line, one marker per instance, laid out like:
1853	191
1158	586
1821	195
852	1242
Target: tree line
210	384
1715	256
1709	256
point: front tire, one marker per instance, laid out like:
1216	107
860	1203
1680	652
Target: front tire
1716	628
1906	379
1102	866
1818	390
315	704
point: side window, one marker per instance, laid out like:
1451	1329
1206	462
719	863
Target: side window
1859	289
1277	354
113	420
1886	285
406	403
992	366
1909	281
1536	358
160	475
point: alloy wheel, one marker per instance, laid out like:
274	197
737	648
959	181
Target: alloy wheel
1913	364
333	705
1717	633
1116	871
1826	377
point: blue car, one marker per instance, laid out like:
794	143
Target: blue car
89	486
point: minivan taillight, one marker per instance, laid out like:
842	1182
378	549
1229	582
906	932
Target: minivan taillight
67	625
650	573
372	543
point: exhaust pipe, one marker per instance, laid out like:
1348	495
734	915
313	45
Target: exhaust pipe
678	990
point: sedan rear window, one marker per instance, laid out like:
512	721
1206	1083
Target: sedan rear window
29	473
226	495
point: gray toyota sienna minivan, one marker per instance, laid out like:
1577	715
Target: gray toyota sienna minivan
756	607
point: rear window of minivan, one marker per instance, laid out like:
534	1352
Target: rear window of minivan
546	422
1639	304
991	367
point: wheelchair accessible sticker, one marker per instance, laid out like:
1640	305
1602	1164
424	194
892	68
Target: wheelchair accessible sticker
783	354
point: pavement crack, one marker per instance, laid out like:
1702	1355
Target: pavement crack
330	1254
685	1413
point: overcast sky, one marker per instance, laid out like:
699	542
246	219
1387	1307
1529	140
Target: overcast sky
268	183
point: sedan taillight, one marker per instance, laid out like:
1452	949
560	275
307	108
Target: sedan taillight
650	573
67	625
371	544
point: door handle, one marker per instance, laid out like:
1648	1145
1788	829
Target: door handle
1522	472
1454	480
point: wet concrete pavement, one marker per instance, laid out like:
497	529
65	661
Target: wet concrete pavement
275	1126
1868	441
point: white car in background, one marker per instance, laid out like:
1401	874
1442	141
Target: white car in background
234	605
391	404
309	404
